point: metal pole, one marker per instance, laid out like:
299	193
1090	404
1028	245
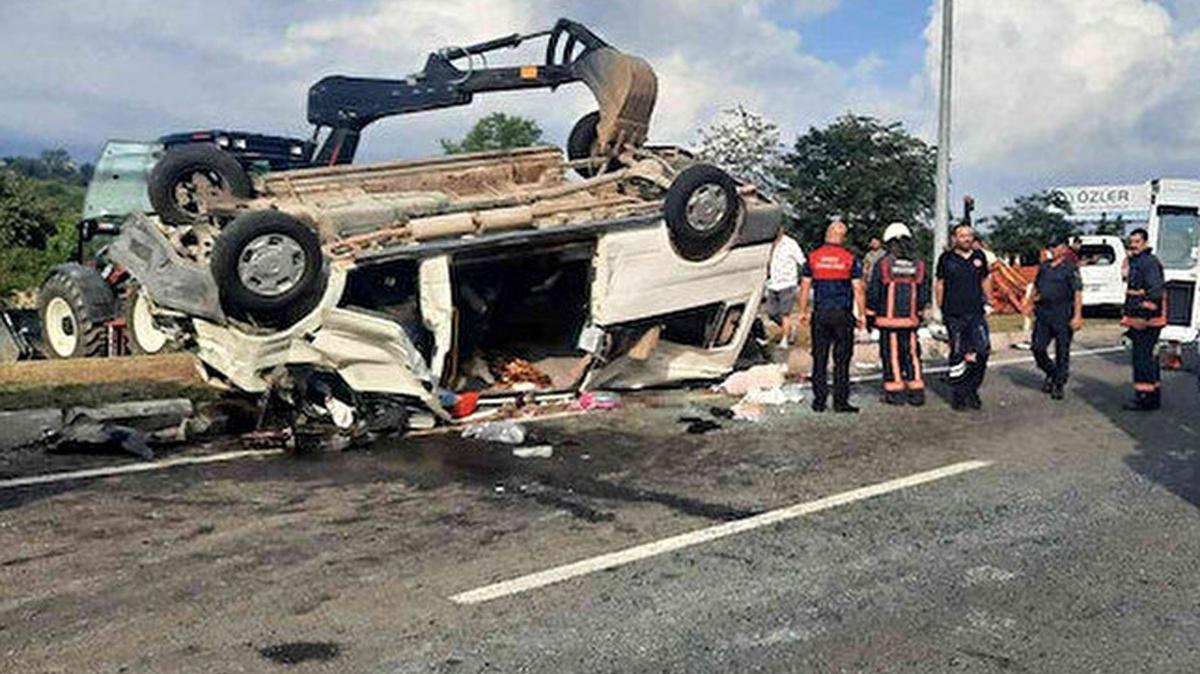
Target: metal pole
941	226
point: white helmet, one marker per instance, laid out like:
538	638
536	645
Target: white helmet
895	231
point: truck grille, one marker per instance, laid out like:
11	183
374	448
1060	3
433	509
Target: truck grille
1180	299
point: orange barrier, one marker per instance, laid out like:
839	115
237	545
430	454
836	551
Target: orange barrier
1009	285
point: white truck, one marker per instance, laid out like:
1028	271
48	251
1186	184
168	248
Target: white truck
1169	209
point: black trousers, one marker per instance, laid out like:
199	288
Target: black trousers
832	329
970	346
1055	329
1146	372
900	352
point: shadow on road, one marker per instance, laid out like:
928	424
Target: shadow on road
1167	442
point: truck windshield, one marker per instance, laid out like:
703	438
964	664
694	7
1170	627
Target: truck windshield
1178	237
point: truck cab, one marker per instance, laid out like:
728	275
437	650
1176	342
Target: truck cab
1174	229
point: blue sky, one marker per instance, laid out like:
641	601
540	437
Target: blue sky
893	30
1048	92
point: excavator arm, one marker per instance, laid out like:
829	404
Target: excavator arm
625	87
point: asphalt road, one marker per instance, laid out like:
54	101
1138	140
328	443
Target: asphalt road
1074	550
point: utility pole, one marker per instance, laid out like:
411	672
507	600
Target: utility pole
941	226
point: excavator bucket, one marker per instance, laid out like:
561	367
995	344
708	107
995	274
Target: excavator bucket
625	87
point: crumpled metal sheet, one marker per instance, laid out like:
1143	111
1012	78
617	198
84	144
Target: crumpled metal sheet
171	280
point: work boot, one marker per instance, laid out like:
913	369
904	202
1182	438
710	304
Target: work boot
1154	400
1139	403
973	401
916	398
892	398
845	408
957	402
1056	392
1048	385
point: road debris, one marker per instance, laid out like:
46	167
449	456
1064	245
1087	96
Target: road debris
597	400
534	452
508	432
788	394
758	377
144	415
90	437
699	426
746	411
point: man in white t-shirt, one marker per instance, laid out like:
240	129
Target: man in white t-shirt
783	279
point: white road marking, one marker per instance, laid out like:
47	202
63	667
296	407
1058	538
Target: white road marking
141	467
1023	360
639	552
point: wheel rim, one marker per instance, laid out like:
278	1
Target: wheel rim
194	189
62	332
147	335
271	265
706	208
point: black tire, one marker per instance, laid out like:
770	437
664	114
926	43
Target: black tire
268	301
74	304
694	241
180	168
582	142
143	339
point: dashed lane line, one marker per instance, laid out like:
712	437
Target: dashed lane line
140	467
636	553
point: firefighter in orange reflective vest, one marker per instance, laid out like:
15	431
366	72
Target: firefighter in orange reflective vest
897	294
1145	314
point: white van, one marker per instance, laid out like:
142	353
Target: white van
1100	259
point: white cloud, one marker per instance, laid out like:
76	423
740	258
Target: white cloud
1070	87
142	68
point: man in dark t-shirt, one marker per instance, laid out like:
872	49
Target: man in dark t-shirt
961	289
1058	312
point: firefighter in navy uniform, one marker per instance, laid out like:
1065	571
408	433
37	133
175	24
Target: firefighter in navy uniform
1057	305
1145	314
834	275
896	296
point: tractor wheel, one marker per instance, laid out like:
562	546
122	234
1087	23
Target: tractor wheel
701	210
73	305
189	174
581	144
269	269
142	335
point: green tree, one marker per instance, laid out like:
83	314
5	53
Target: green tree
37	218
744	143
497	131
50	165
1106	227
1026	226
27	218
868	172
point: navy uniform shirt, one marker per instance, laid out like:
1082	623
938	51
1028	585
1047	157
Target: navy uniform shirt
832	269
963	279
1145	273
1056	287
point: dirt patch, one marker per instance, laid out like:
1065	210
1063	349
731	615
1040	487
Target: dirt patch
94	381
